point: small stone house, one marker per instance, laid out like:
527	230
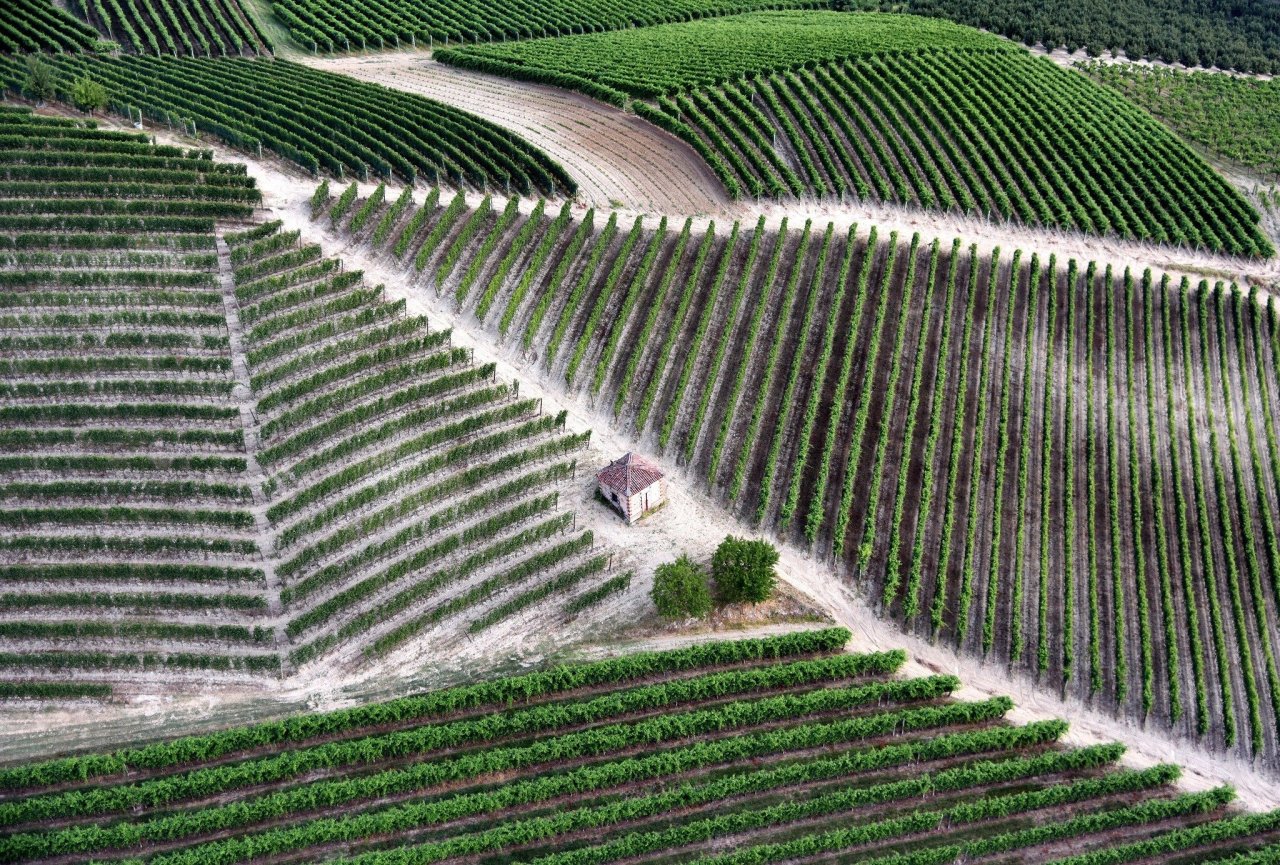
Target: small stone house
633	485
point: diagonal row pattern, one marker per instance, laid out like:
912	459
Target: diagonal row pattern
762	750
225	456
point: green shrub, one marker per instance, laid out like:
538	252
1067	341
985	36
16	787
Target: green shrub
743	569
680	590
40	83
320	198
88	95
345	200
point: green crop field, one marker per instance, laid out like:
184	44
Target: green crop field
350	24
796	373
404	488
656	61
320	321
205	28
1235	118
277	106
37	25
765	751
117	396
897	108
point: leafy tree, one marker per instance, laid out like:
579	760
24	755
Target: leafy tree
680	590
41	83
743	569
88	95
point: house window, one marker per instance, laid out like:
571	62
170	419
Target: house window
614	496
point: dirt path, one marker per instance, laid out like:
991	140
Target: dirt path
622	161
694	523
1067	60
243	395
691	522
616	158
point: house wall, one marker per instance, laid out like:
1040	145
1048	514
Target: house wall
619	500
633	507
647	498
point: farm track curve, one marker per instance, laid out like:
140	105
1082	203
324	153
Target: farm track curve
656	174
615	157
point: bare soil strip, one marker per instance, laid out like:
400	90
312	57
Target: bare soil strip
243	395
616	158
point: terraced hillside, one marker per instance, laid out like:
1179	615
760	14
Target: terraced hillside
205	28
839	388
901	109
37	25
128	542
313	119
335	25
410	491
755	751
223	453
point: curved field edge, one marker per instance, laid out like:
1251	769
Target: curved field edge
317	121
351	26
612	155
901	109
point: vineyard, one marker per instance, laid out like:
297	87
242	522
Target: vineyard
796	374
204	28
901	109
222	448
662	61
313	119
1238	118
36	25
754	751
128	542
410	491
909	330
338	25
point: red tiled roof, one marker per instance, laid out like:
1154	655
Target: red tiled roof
630	474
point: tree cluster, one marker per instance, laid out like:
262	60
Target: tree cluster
743	570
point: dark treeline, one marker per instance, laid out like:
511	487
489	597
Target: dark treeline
1234	34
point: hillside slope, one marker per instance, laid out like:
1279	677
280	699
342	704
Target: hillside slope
838	389
225	456
897	108
754	751
317	121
